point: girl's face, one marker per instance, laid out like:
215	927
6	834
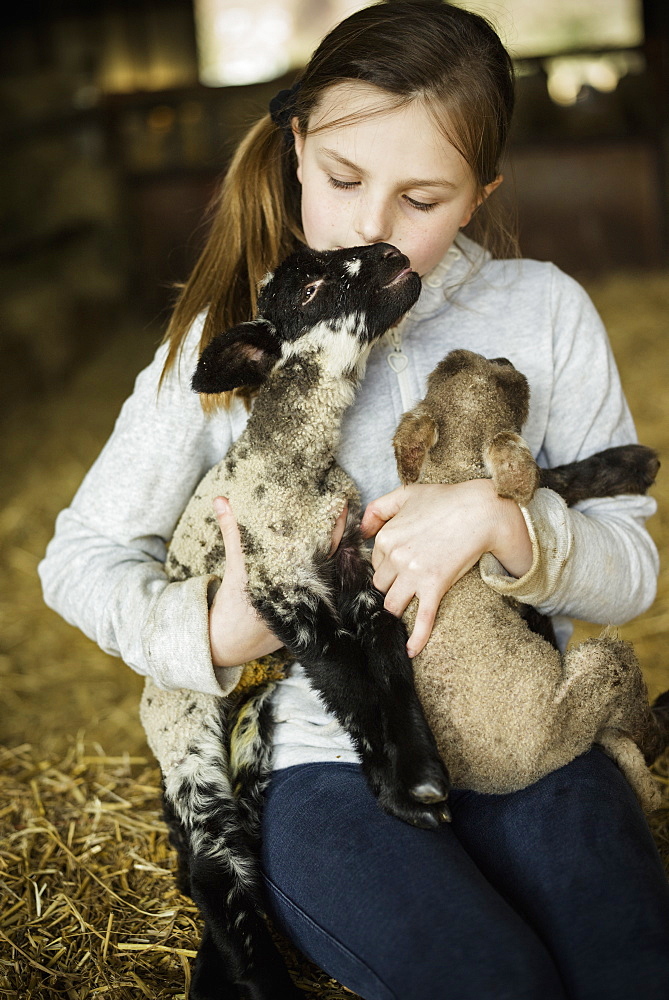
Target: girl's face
390	177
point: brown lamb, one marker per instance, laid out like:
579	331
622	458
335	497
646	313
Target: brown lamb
505	705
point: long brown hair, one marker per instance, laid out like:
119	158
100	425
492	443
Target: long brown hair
450	58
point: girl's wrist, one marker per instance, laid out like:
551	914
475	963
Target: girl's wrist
511	543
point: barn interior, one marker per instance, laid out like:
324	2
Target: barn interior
117	121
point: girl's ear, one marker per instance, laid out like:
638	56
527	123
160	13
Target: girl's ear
487	191
243	356
416	435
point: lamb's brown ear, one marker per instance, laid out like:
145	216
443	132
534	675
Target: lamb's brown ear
416	434
243	355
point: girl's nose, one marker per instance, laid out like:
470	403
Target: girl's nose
373	223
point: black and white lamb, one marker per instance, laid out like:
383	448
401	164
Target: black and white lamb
319	315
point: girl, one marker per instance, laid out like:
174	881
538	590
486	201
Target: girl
395	133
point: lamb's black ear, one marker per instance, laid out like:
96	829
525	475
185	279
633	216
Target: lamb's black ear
242	356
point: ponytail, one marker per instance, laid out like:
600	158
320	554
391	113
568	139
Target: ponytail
254	224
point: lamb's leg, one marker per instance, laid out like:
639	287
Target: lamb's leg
355	657
410	746
409	742
630	760
604	693
238	957
211	974
236	943
211	977
630	468
251	728
372	698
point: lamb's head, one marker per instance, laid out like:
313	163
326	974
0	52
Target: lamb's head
470	399
466	388
334	302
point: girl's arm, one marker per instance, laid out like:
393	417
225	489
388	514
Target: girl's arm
103	570
596	563
250	638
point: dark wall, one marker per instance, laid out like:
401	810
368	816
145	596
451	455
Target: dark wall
103	192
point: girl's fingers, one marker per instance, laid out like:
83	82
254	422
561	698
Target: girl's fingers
385	573
234	554
381	510
422	628
397	597
397	601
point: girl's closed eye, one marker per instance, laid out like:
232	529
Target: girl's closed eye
345	185
422	206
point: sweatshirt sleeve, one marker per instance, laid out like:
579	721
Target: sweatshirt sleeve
595	562
103	571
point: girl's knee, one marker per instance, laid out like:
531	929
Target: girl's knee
506	965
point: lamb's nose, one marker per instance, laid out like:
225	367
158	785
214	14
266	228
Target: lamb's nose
391	252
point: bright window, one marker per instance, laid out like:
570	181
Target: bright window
547	27
247	41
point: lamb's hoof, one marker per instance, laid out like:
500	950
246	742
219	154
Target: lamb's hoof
428	811
210	973
418	798
423	775
429	791
426	817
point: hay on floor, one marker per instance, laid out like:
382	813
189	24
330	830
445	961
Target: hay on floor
89	906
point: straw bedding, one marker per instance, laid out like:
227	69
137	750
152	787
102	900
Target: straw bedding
88	906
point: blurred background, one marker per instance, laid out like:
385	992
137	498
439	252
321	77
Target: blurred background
117	119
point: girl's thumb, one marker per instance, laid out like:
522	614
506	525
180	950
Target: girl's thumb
221	507
229	529
381	510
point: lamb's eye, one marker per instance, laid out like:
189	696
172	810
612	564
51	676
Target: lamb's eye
310	290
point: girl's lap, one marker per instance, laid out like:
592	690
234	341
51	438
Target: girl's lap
574	855
561	876
389	910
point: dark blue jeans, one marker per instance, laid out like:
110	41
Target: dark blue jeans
550	893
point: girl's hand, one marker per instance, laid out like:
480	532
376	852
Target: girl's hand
428	536
237	634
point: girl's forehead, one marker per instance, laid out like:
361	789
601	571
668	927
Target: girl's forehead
351	98
361	122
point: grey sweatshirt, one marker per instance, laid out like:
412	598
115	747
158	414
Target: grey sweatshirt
103	570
